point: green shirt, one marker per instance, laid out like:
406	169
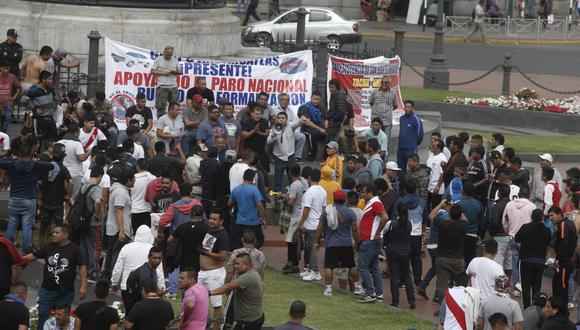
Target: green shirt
248	298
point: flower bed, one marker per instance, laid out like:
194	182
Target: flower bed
524	99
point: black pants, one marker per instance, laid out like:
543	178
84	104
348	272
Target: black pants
4	292
138	219
416	262
292	253
399	267
433	200
251	11
239	230
469	249
560	283
254	325
531	276
128	301
312	136
114	247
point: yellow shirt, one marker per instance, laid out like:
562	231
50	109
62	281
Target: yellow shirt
335	164
361	204
330	187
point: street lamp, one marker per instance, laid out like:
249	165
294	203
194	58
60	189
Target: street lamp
437	69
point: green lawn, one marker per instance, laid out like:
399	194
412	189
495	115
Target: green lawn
533	144
423	94
338	312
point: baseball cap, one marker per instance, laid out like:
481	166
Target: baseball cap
547	157
197	98
392	166
495	155
61	52
332	144
339	195
12	33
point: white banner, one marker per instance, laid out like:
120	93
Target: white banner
360	78
128	72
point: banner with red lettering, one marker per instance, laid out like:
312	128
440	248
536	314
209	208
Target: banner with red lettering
360	78
128	72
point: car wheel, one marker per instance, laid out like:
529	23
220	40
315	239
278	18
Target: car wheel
334	43
264	40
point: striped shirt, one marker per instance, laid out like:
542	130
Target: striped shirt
382	105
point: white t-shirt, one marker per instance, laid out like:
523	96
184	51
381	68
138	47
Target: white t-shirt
73	149
514	192
139	152
169	80
85	137
105	180
434	163
4	142
237	174
315	199
486	271
173	126
138	203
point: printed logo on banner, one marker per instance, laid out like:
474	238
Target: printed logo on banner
131	59
122	100
293	65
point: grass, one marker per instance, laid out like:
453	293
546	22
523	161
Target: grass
338	312
437	95
534	144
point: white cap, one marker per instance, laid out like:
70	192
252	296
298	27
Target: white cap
393	166
547	157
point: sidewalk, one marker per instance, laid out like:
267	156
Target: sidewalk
416	32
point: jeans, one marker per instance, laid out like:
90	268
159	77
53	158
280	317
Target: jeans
186	141
571	285
531	279
387	130
446	270
6	118
402	156
416	262
299	142
469	249
240	2
172	281
47	300
21	211
368	267
431	272
280	167
114	247
89	243
399	267
309	246
515	261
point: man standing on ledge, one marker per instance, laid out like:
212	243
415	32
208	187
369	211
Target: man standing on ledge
166	68
410	135
383	101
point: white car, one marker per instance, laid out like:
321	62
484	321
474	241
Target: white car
320	23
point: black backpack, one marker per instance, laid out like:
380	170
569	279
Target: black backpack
79	216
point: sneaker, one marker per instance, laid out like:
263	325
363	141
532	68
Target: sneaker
358	290
379	299
367	299
518	287
313	276
305	272
291	270
435	300
328	292
422	293
402	287
412	306
516	293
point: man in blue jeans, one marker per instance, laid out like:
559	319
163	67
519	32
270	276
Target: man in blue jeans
24	173
371	240
9	90
61	260
410	135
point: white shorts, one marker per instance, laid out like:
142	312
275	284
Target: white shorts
213	279
294	222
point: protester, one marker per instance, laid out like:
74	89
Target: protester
566	238
297	315
477	16
484	271
255	131
62	319
283	147
249	209
546	160
410	135
140	208
13	312
58	287
90	239
461	306
534	238
143	114
375	132
152	312
496	230
97	314
258	257
194	308
473	211
166	69
499	301
313	126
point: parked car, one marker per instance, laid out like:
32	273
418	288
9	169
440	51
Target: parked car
320	23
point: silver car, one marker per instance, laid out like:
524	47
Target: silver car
320	23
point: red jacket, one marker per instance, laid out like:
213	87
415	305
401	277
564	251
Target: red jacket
16	257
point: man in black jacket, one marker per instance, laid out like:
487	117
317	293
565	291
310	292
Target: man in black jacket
336	111
564	245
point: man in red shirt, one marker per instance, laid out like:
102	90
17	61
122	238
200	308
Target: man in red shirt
371	233
9	89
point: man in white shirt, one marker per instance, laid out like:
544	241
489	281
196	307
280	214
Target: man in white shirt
140	209
313	202
436	158
237	171
299	137
166	68
170	126
133	134
75	156
484	270
478	15
90	135
191	171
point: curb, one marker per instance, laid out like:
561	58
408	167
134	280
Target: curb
413	36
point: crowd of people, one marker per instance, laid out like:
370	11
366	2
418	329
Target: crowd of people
153	207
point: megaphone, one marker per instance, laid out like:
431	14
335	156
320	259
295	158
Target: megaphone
278	128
